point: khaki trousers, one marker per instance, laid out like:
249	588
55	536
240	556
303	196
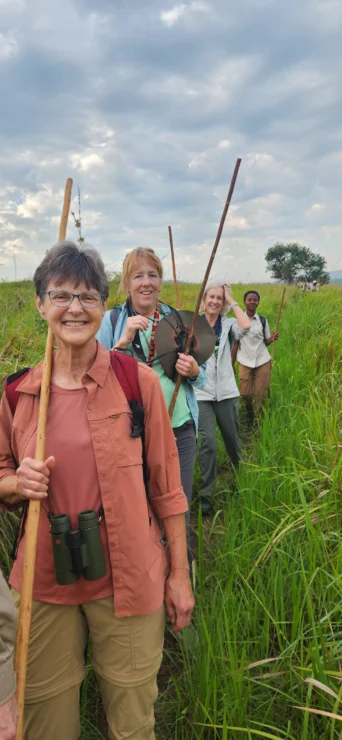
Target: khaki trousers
254	383
126	656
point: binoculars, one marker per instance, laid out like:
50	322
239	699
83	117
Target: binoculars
77	551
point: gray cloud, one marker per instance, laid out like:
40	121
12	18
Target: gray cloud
147	106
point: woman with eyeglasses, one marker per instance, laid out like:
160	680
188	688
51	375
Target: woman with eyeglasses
131	328
101	567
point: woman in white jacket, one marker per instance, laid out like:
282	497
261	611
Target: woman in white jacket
219	397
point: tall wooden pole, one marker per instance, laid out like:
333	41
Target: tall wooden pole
32	522
278	320
205	280
174	267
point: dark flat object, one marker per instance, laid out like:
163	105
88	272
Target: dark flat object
171	337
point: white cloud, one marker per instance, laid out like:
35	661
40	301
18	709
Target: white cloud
8	45
170	17
224	144
35	204
198	160
317	207
86	161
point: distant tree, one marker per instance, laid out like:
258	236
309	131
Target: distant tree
289	262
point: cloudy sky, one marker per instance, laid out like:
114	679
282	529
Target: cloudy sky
147	104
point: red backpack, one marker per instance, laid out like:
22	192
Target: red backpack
125	368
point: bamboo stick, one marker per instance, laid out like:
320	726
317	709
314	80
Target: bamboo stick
32	522
174	267
278	320
205	280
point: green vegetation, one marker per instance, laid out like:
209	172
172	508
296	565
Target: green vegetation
266	643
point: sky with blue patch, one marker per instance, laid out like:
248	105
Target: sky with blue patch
147	105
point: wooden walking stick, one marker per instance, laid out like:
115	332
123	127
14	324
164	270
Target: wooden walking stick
174	268
205	280
278	319
32	522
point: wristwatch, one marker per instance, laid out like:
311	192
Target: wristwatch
231	305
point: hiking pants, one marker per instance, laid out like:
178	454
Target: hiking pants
254	384
126	656
186	445
226	414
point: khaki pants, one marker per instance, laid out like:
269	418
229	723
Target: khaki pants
254	383
126	654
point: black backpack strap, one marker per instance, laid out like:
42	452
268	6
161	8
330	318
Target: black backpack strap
114	315
263	324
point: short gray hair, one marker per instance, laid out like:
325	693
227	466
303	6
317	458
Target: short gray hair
68	260
210	286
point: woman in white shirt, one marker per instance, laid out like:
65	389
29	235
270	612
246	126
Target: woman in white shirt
254	358
219	397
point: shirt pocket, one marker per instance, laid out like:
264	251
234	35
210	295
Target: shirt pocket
127	450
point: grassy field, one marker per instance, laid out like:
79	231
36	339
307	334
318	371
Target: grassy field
264	656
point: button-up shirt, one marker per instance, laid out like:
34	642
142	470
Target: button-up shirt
252	350
137	557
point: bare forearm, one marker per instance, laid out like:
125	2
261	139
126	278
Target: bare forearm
8	490
175	532
121	344
241	317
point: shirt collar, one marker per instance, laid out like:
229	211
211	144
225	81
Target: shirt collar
98	372
256	316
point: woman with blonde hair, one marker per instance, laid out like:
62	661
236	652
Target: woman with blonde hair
131	328
218	399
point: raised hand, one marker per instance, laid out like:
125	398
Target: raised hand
228	294
133	324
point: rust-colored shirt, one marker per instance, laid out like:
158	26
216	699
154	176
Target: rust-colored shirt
136	553
73	487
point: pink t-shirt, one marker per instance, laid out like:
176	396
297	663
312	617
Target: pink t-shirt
74	487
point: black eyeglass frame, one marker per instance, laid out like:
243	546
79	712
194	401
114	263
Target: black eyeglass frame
101	296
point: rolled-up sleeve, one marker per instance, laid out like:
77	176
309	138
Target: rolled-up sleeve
166	494
237	331
8	464
8	622
201	379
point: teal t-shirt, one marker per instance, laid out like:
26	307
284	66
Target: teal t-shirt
181	412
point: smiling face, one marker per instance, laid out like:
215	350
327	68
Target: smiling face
252	302
144	285
214	300
72	325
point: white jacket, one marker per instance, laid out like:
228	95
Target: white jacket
221	382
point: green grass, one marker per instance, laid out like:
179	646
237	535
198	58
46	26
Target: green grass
267	634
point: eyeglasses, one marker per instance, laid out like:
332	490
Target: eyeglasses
63	298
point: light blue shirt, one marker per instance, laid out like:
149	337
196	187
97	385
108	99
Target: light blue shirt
106	336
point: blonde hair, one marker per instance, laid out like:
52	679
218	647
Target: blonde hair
131	261
210	286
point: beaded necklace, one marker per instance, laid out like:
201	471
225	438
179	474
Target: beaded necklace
152	346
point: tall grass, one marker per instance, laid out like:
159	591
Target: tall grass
267	624
267	632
